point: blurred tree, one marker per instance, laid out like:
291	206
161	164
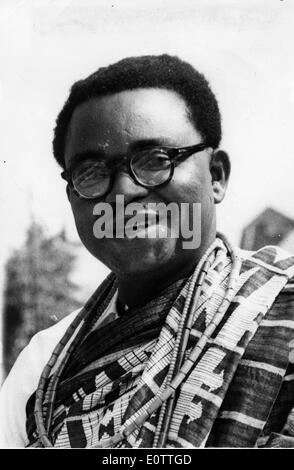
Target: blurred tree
38	289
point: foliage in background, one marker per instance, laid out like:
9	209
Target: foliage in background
38	289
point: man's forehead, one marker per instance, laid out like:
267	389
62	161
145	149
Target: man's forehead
140	100
117	121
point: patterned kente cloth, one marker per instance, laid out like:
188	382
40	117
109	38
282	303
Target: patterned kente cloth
240	391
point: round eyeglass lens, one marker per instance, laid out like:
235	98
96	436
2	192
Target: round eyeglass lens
91	179
151	167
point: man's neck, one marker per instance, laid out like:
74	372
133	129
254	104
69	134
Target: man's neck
138	289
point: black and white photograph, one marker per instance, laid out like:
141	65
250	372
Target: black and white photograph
147	235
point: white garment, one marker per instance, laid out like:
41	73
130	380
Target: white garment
24	377
23	380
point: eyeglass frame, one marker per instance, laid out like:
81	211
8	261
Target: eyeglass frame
174	154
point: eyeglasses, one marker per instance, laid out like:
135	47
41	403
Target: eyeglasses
150	167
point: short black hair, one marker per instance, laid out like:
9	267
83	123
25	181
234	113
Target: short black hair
163	71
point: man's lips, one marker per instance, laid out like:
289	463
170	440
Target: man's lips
141	219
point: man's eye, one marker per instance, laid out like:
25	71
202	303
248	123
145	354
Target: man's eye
157	161
91	170
151	159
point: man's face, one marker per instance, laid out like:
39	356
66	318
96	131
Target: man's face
113	125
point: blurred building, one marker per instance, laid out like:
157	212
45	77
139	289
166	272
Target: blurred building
269	228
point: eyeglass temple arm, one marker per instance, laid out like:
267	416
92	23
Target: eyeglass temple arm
187	151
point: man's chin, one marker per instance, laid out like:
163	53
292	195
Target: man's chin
137	255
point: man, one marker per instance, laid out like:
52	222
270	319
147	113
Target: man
184	345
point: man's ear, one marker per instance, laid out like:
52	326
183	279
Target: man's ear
220	168
68	192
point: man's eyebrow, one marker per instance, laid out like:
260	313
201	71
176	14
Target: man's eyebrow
154	142
99	153
87	154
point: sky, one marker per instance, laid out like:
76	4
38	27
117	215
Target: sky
244	48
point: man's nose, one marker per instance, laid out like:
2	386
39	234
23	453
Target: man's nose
124	185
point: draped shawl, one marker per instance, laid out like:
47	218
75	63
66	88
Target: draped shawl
239	392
